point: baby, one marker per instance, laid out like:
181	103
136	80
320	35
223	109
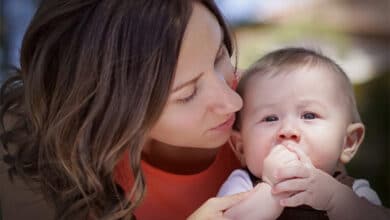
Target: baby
299	123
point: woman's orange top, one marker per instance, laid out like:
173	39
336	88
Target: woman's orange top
172	196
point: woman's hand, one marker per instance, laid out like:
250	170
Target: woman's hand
216	206
260	205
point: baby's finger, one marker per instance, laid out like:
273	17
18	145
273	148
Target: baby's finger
295	200
292	163
301	154
297	171
282	153
277	149
223	203
291	185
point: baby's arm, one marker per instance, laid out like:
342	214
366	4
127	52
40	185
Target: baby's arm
347	204
321	191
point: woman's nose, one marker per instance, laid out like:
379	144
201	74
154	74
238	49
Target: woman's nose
225	100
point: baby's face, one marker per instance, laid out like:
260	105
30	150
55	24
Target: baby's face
305	108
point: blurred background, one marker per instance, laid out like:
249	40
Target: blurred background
354	33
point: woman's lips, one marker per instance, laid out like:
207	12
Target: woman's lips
226	125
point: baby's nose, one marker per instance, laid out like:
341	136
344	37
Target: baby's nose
289	133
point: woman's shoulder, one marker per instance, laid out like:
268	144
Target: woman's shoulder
18	199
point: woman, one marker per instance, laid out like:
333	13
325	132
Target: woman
122	108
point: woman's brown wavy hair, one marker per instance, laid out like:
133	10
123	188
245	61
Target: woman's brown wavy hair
94	78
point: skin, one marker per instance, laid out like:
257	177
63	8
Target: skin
306	132
261	204
214	208
201	99
305	184
293	108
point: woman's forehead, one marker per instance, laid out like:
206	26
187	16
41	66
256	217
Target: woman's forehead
200	44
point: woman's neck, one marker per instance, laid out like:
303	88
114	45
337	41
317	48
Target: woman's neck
178	160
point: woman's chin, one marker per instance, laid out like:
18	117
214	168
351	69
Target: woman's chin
215	141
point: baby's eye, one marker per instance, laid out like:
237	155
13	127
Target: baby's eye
309	115
271	118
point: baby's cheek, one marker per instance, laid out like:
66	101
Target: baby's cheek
325	162
257	171
255	164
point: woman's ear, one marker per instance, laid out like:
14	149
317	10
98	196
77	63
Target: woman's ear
355	136
237	146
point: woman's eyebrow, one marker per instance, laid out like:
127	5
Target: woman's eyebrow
187	83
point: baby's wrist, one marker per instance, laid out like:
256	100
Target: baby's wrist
267	180
268	176
341	196
273	202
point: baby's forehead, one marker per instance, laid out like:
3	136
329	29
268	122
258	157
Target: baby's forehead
337	84
318	72
286	61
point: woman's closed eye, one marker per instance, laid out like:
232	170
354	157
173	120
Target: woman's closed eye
188	98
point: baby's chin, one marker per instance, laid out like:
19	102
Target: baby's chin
329	170
256	173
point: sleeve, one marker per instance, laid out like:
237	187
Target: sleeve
238	181
362	188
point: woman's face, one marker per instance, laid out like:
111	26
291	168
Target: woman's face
201	106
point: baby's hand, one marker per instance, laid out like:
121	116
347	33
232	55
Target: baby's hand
278	158
260	204
307	184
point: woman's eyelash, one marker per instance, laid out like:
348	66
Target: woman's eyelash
218	58
188	98
221	54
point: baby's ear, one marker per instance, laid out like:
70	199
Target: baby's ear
355	136
237	146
